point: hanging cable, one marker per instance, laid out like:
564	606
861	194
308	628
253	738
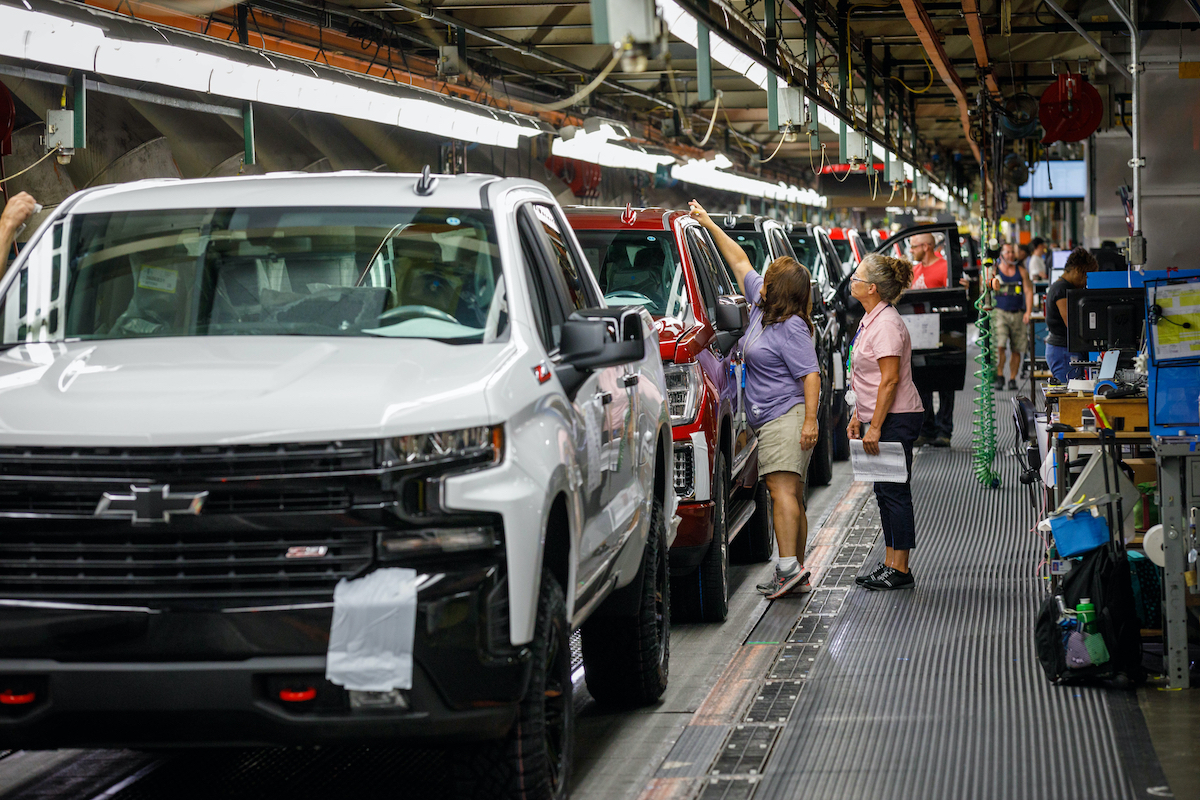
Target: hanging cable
911	90
778	147
586	90
31	166
814	166
712	123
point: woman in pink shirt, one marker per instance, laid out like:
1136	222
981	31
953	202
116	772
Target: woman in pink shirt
885	404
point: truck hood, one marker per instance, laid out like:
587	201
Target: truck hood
241	389
669	330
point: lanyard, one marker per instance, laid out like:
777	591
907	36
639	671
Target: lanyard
850	350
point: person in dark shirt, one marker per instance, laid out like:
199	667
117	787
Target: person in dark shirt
1078	265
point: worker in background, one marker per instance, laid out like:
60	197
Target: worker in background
930	271
17	212
929	266
1037	260
1074	276
1010	316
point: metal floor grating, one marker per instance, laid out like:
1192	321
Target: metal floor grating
936	693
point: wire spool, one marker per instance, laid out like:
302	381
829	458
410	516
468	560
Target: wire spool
1152	543
1018	118
1070	110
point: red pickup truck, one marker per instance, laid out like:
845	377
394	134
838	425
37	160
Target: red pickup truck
663	260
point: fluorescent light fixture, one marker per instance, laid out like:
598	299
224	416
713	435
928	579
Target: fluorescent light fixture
683	26
709	174
878	150
599	148
938	191
47	39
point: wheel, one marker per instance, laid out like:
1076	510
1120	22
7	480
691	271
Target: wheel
841	439
756	542
704	595
626	659
533	762
820	466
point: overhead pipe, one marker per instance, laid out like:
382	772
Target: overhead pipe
1136	250
1122	69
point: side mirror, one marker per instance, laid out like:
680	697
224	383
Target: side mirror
733	315
596	338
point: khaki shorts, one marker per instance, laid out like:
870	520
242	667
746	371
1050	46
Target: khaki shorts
779	444
1010	327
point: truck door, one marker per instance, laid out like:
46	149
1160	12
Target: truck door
607	405
939	344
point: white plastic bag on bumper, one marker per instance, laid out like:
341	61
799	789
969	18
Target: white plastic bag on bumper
371	638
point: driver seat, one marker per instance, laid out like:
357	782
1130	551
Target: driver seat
645	276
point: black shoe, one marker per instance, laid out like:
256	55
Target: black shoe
941	441
872	575
922	440
1012	384
998	384
889	579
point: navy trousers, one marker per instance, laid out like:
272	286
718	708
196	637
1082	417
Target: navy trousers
895	499
939	424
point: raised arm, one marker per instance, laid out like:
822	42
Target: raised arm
18	210
731	251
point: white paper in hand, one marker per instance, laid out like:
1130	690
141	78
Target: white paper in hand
887	467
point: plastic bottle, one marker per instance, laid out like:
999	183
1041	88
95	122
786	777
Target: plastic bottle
1085	614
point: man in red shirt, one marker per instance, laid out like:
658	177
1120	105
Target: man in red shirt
929	268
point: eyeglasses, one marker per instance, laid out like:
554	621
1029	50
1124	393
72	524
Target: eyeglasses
859	280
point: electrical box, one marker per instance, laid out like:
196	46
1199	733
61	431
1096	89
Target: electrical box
921	183
893	168
60	131
791	107
450	63
852	146
615	21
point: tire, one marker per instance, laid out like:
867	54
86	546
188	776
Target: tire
820	466
756	543
533	761
841	439
704	595
626	660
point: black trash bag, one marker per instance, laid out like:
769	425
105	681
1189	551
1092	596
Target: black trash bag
1105	579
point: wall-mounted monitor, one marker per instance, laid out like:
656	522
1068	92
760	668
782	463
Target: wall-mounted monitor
1055	180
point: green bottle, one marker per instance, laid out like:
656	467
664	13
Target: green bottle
1085	614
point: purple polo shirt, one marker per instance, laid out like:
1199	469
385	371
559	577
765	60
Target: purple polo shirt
777	359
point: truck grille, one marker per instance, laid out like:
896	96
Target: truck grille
187	464
126	565
82	501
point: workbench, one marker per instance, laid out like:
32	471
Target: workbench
1062	474
1178	492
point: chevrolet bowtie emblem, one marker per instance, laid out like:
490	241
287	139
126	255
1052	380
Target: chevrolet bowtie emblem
149	504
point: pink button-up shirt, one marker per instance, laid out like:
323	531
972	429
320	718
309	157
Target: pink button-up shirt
882	333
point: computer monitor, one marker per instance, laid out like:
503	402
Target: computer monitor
1058	263
1105	319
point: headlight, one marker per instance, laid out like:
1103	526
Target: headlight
483	445
683	391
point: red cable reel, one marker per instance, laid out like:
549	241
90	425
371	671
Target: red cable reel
1070	110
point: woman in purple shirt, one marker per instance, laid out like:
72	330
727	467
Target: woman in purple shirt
783	387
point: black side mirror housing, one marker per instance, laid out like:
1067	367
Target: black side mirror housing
596	338
733	315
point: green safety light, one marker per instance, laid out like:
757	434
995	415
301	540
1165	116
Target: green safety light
1028	217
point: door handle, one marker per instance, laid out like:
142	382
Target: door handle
630	380
605	397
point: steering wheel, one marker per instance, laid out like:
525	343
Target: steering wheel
629	294
405	313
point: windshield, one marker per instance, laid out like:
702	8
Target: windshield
404	272
635	267
755	245
806	253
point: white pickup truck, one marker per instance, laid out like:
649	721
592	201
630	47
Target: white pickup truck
316	458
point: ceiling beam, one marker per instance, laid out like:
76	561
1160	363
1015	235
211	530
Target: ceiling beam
923	25
982	61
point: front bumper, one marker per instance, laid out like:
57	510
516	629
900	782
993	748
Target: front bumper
130	678
693	538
